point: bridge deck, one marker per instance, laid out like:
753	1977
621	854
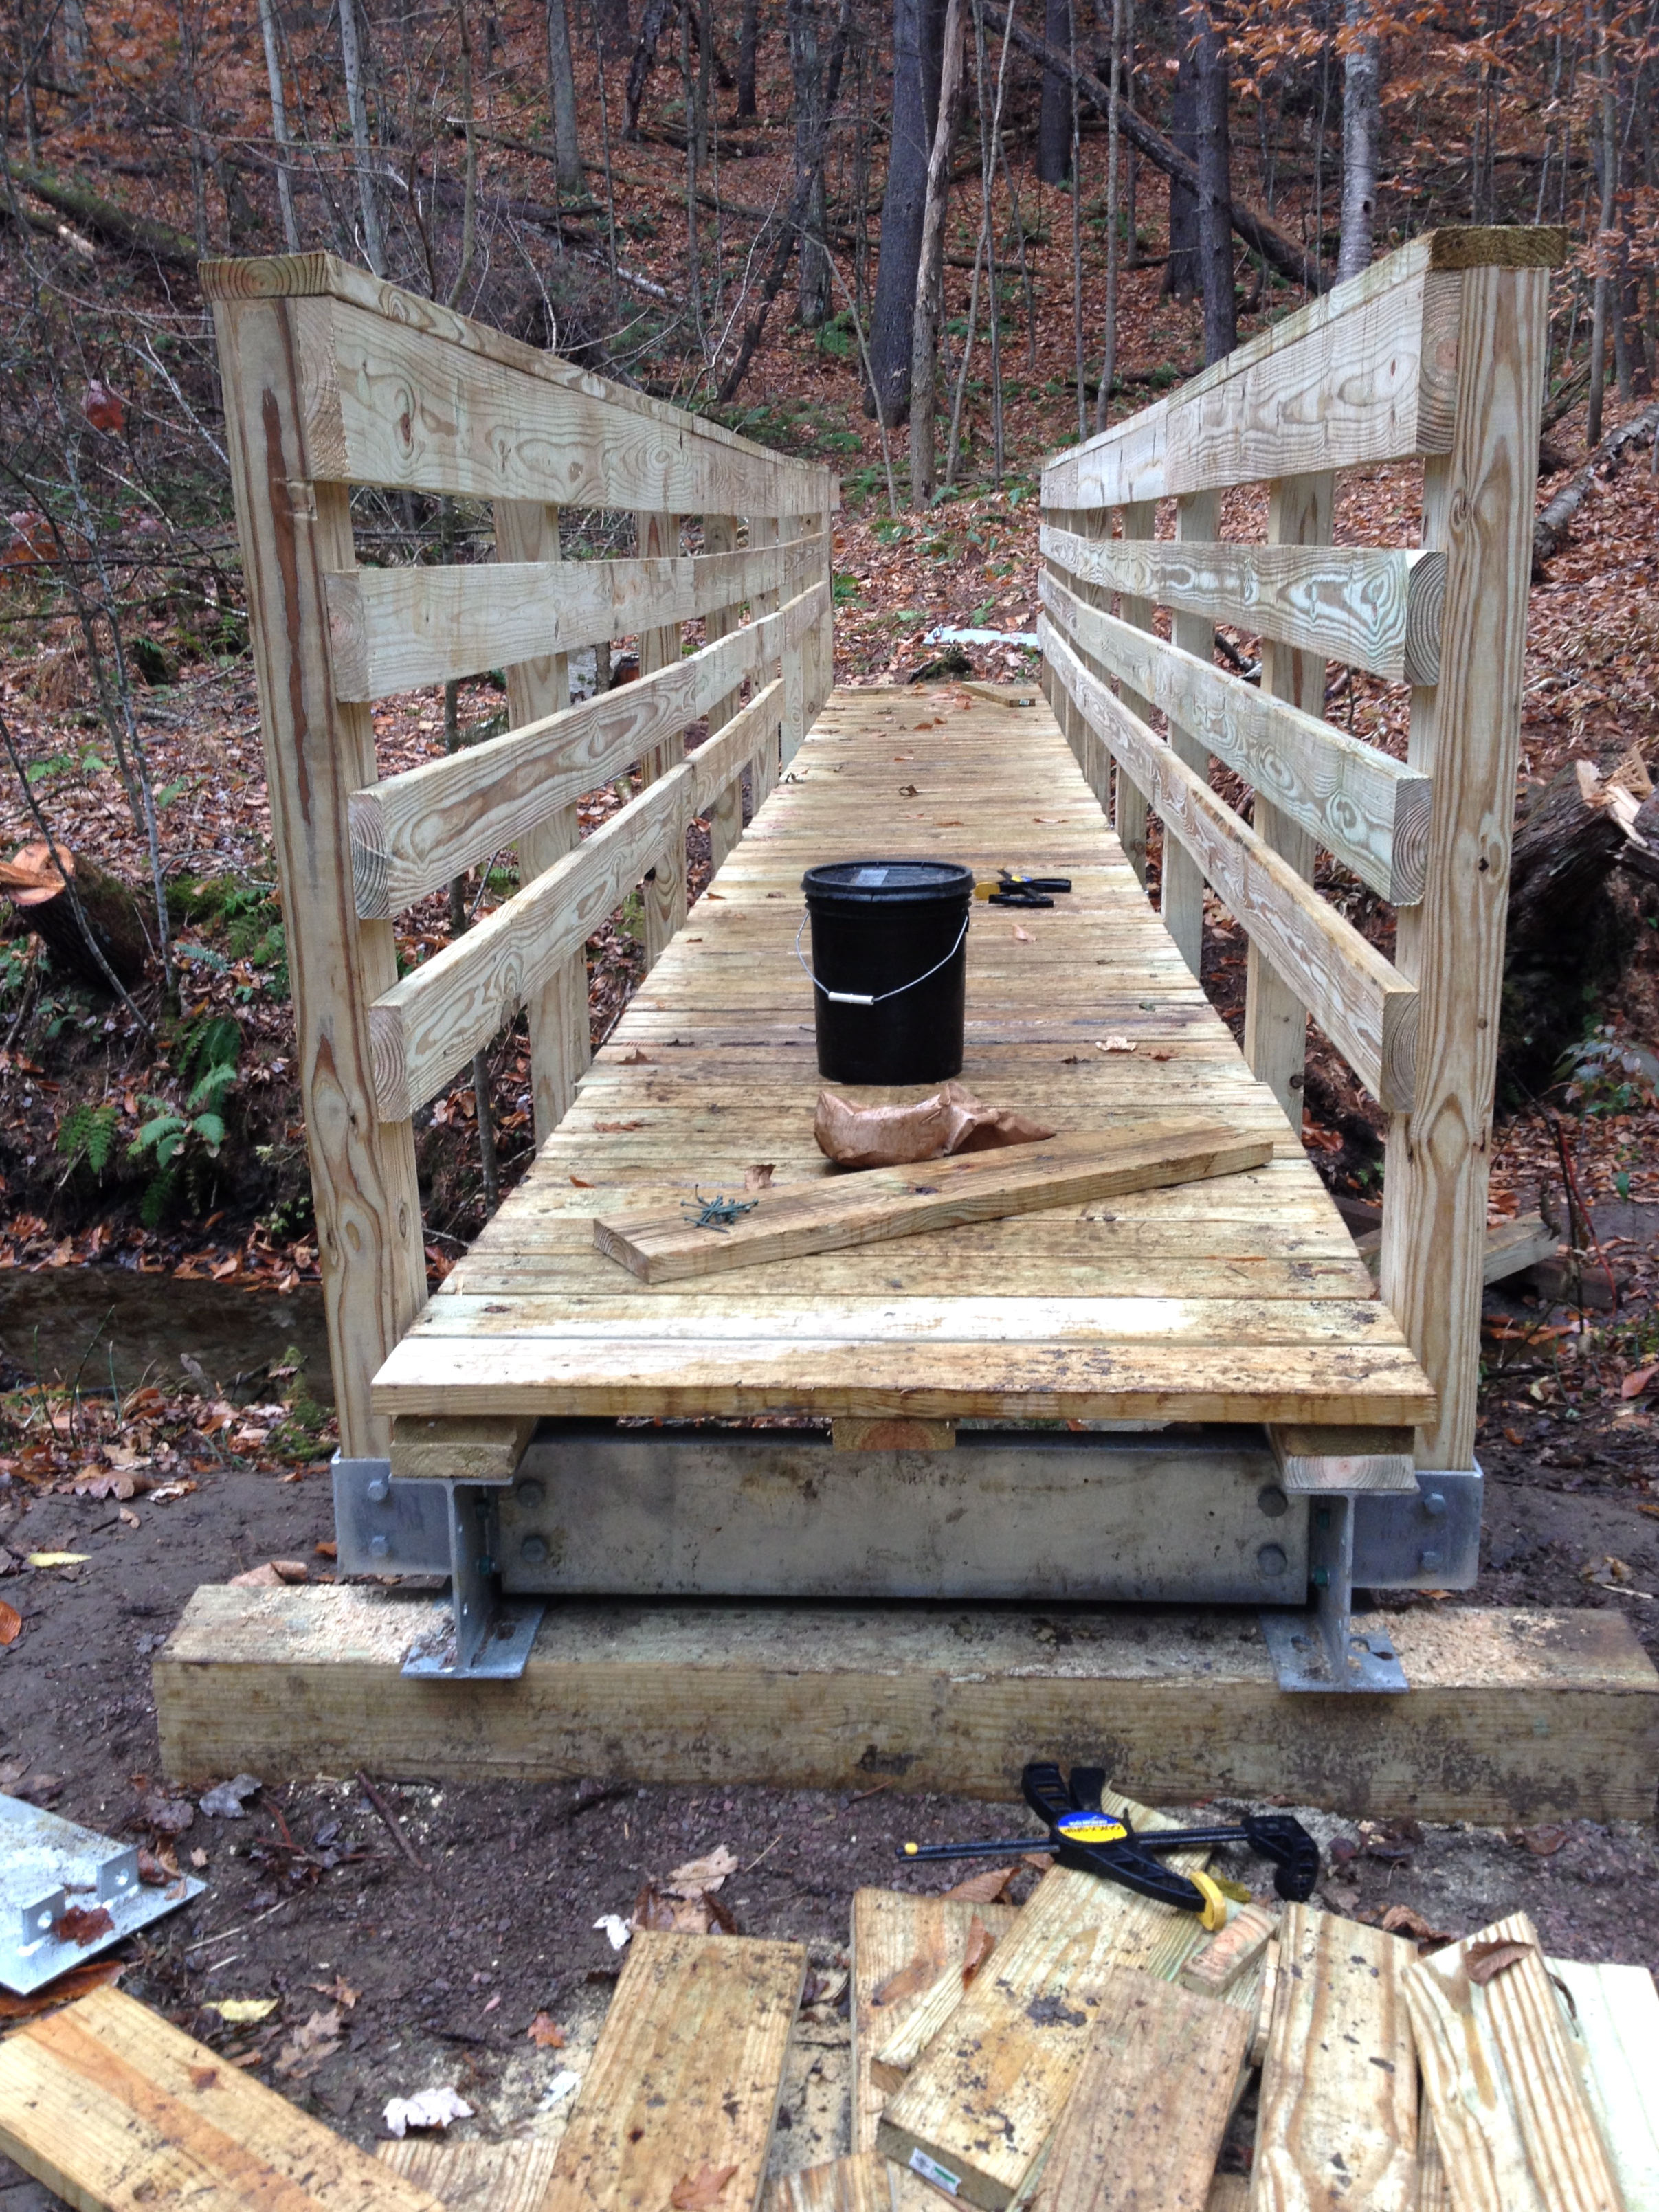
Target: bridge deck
1239	1299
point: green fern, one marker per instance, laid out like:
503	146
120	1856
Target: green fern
89	1131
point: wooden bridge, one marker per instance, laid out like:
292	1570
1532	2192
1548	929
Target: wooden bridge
1193	1395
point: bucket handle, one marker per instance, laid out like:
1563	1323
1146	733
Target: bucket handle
857	997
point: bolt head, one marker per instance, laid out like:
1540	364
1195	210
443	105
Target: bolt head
533	1551
1434	1503
1428	1560
1271	1559
378	1547
378	1490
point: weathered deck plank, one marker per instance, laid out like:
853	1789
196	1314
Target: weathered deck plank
1244	1301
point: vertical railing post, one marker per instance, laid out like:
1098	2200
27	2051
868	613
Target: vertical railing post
559	1035
1129	812
293	530
1180	900
663	892
1275	1021
719	535
1478	509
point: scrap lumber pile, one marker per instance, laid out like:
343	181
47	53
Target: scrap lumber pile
1088	2053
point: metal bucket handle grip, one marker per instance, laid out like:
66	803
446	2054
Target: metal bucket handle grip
856	998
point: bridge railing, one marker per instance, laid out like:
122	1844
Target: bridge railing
1438	352
333	379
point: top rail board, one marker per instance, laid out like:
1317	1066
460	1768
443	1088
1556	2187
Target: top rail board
1367	373
806	488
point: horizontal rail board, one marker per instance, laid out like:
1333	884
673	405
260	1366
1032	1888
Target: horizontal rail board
322	276
428	1026
1367	373
391	629
1378	609
415	831
388	403
1371	812
1363	1003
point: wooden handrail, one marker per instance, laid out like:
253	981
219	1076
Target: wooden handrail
1436	352
333	378
393	629
1368	811
1374	607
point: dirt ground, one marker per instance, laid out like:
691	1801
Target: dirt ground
435	1972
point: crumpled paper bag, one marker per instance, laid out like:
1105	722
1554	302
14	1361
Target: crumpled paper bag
951	1121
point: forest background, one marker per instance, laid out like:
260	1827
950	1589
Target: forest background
926	246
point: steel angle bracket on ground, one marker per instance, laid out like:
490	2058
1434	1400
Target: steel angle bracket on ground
1373	1540
432	1527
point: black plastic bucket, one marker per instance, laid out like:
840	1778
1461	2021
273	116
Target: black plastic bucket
890	968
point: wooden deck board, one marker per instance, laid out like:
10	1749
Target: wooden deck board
1241	1299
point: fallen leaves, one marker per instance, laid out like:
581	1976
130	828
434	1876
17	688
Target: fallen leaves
241	2012
1403	1920
546	2033
83	1924
921	1973
56	1559
227	1801
759	1177
1114	1043
309	2046
1484	1962
696	2192
1543	1842
340	1989
426	2108
62	1989
273	1575
161	1814
983	1888
11	1623
1637	1380
1023	936
616	1129
699	1876
1609	1573
980	1945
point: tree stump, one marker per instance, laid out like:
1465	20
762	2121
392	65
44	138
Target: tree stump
35	882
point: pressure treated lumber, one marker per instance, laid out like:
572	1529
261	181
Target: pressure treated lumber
487	1450
476	2177
1366	1007
1190	721
1338	2114
983	2100
109	2104
1231	1951
322	276
903	1943
412	832
1478	508
909	2038
292	533
1370	810
393	629
1145	2121
1513	1717
429	1023
1517	2127
1314	1460
685	2076
879	1205
860	2182
1614	2022
1370	607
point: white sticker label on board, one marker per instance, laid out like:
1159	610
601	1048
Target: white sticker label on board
930	2170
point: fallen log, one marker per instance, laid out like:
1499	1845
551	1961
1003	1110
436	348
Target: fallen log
1279	251
1549	532
109	909
102	218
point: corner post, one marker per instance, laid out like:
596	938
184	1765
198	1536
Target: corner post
1478	507
293	529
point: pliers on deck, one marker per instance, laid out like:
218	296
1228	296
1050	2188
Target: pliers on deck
1011	887
1083	1836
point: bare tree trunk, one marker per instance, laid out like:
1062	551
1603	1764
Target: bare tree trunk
1361	72
1131	164
1109	361
1608	162
1215	192
990	136
351	55
930	285
279	125
644	55
1078	370
806	67
917	32
693	149
561	92
470	191
748	54
1055	117
1180	272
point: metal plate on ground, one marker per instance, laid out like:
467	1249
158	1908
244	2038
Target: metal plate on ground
1178	1515
58	1879
1301	1660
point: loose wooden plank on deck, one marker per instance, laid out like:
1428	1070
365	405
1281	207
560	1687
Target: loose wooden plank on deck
109	2104
685	2076
901	1943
